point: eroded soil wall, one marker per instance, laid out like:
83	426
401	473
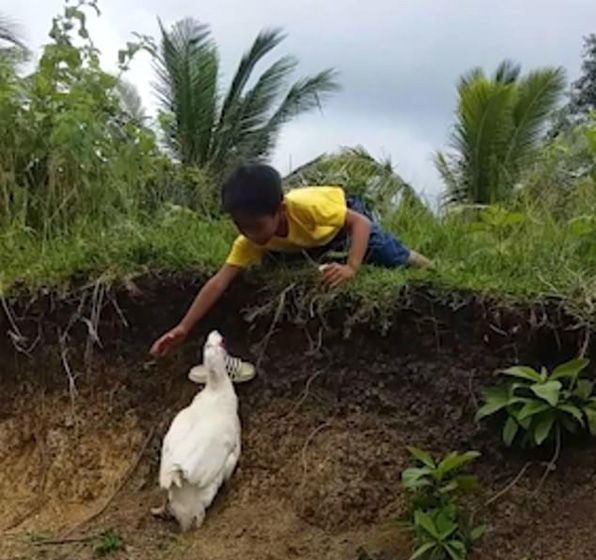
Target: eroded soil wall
325	426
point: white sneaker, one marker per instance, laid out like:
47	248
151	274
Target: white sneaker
238	371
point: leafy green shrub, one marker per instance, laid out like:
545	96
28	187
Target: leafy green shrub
71	149
443	529
540	405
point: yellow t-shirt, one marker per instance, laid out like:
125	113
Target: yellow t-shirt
315	216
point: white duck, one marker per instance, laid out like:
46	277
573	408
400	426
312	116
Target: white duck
202	446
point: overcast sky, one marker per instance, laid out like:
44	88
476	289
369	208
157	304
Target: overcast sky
399	60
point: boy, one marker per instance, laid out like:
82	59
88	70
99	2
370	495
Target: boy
303	219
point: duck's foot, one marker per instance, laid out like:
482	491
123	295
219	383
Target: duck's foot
161	511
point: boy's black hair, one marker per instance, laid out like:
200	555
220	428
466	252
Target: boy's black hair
253	189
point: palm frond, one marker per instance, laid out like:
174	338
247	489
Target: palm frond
454	185
303	96
12	48
256	106
198	128
130	101
358	172
537	97
303	175
187	67
499	123
483	126
264	43
9	33
507	72
470	77
377	180
252	111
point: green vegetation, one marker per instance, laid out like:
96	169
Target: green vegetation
498	131
582	97
109	542
433	482
542	405
376	182
443	528
200	130
86	193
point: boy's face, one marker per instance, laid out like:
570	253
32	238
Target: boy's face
258	229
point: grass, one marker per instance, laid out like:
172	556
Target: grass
524	261
109	542
176	240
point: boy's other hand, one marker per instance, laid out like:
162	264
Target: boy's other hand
168	341
335	274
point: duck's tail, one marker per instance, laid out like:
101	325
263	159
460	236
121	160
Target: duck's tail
177	475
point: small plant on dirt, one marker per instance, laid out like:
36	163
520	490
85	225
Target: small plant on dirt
107	543
443	533
433	482
39	536
443	529
541	405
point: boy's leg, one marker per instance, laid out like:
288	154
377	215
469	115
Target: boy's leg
416	260
386	249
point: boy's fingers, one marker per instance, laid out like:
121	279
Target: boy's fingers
334	277
337	282
160	347
157	349
329	274
330	270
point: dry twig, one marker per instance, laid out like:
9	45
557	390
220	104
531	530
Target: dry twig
276	318
304	395
553	462
309	440
507	488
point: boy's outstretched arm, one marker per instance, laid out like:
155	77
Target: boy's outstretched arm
358	227
208	295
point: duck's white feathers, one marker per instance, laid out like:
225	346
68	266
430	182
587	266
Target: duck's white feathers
202	446
201	441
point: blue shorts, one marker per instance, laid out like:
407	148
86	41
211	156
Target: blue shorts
384	249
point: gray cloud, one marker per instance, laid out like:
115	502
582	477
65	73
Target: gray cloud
399	60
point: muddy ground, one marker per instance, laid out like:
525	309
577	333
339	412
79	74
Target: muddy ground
325	431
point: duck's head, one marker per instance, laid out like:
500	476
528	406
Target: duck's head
214	353
215	340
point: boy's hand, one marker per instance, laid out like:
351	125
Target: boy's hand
335	274
168	341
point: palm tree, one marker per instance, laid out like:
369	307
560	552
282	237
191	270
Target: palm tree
206	129
131	103
12	48
8	32
500	122
359	173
